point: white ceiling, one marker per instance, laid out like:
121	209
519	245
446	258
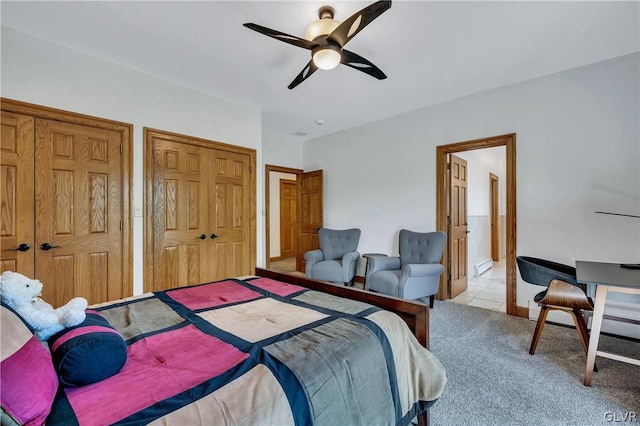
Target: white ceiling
431	51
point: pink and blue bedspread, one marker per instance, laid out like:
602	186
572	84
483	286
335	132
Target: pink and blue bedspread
257	351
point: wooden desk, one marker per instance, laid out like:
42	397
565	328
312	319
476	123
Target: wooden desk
607	277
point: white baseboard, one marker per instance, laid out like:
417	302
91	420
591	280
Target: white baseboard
482	267
613	308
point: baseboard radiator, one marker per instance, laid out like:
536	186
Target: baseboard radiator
482	267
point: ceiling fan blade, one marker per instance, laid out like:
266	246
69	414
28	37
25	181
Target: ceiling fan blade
356	22
359	63
306	72
296	41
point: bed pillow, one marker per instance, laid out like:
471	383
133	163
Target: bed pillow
29	381
88	352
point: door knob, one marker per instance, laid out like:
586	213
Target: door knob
202	237
21	247
213	236
47	246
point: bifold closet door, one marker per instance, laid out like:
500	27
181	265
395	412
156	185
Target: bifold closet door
17	237
60	205
201	213
78	223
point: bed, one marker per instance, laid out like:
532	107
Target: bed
270	349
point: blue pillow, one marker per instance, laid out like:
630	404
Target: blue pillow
88	352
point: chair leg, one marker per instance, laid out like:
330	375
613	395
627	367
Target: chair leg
539	326
581	327
431	299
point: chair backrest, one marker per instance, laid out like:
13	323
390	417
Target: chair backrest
541	271
335	243
421	247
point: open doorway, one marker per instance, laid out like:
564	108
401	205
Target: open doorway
281	217
442	211
293	216
485	225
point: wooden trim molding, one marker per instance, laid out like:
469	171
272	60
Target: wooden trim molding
509	141
126	132
522	311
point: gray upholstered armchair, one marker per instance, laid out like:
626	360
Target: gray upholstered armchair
337	257
415	273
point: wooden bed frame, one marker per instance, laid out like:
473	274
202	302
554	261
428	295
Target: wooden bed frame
415	314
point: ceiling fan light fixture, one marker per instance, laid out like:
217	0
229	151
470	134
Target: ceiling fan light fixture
327	57
326	37
323	26
320	28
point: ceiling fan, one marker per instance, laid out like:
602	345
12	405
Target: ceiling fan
326	37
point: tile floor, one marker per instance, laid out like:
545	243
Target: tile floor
487	291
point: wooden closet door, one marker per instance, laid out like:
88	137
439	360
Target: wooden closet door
16	194
180	228
78	187
229	213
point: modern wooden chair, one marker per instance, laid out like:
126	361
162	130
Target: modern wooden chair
563	293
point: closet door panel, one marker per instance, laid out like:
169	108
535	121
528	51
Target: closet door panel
16	194
229	218
78	187
180	215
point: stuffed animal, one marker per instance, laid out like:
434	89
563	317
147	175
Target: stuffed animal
22	294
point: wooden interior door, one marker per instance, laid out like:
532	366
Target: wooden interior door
494	217
78	212
288	218
458	225
229	208
309	214
180	228
17	237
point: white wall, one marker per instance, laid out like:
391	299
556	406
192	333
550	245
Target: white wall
282	150
40	72
578	151
480	163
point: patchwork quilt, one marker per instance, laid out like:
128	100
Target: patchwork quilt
256	351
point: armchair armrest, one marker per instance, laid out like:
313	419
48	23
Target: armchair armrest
349	263
312	257
350	257
380	263
422	269
419	279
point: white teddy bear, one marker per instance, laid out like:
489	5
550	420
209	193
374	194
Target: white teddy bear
22	294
